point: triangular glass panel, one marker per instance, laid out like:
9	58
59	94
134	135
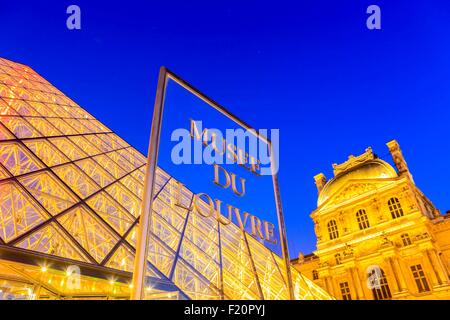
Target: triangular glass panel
122	259
79	182
46	152
4	133
51	240
68	148
111	212
125	197
18	212
20	127
95	171
89	231
50	192
17	159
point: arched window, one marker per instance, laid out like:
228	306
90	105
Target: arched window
405	239
395	208
378	283
337	256
363	221
333	229
315	274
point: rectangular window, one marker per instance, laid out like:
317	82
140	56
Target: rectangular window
315	275
345	291
419	277
338	258
406	239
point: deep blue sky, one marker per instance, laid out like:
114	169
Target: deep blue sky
310	68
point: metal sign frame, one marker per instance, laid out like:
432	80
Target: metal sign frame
137	292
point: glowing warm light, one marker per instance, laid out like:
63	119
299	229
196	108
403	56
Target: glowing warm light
368	211
54	153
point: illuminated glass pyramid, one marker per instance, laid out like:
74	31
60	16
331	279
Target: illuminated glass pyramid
70	192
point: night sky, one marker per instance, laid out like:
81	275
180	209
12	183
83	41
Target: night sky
309	68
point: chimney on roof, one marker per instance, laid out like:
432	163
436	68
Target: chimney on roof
320	181
301	257
398	158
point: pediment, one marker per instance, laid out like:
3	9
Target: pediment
355	188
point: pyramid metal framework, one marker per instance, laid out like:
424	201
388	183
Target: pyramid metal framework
70	193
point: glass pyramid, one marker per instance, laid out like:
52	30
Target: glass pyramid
70	193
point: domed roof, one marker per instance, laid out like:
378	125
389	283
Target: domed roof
373	168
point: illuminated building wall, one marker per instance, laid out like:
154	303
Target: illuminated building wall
378	236
70	193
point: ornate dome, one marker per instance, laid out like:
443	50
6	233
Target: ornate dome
366	166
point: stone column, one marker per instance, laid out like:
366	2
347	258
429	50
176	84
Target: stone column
392	284
398	271
435	279
328	286
356	283
359	283
437	266
352	284
444	265
337	293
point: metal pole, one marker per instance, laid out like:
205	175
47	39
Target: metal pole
146	209
147	202
284	246
282	227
